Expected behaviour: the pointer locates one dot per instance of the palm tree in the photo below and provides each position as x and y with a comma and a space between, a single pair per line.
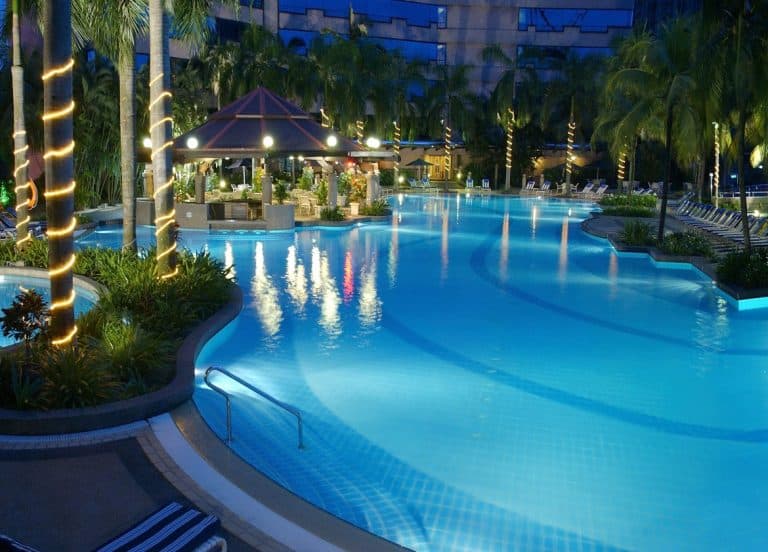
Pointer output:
19, 132
59, 166
741, 76
160, 126
112, 26
662, 85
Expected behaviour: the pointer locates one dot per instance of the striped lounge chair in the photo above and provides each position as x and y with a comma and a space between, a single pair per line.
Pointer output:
173, 528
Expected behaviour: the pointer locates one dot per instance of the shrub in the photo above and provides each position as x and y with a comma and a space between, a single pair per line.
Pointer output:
628, 211
387, 178
636, 233
747, 271
343, 183
19, 388
71, 379
131, 354
335, 214
377, 208
306, 179
619, 200
686, 243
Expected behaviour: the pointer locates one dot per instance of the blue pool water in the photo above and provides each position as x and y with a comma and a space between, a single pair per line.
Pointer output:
11, 286
482, 375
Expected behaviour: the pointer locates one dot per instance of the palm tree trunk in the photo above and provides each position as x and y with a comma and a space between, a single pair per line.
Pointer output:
667, 176
740, 146
127, 79
19, 134
160, 84
59, 166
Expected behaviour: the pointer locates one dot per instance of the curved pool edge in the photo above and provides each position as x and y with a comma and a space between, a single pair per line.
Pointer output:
289, 510
181, 388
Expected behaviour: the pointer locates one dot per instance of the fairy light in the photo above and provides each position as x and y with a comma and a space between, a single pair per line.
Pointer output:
359, 130
165, 217
325, 120
61, 192
510, 133
56, 305
66, 339
59, 232
396, 147
59, 113
447, 155
569, 148
716, 180
622, 166
59, 71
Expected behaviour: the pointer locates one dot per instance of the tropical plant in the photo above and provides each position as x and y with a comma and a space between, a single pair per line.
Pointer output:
25, 319
746, 269
281, 192
376, 208
636, 232
334, 214
72, 378
112, 26
660, 83
686, 243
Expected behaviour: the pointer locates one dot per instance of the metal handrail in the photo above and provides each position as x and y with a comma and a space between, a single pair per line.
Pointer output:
287, 407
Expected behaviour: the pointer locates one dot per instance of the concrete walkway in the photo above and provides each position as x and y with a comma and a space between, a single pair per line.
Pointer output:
61, 496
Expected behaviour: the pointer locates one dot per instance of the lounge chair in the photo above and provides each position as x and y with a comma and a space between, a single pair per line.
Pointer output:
587, 190
486, 184
171, 528
600, 191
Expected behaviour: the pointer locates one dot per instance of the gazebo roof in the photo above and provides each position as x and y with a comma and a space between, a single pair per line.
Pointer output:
238, 129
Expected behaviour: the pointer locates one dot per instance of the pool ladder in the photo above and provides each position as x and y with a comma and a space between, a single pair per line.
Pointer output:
227, 397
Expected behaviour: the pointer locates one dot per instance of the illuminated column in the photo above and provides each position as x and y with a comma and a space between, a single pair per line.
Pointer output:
396, 151
510, 131
447, 152
20, 147
359, 129
160, 131
569, 152
717, 163
59, 166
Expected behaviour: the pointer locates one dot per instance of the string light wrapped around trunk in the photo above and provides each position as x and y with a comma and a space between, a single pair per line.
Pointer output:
622, 167
447, 152
510, 133
23, 187
569, 149
396, 150
717, 163
59, 169
359, 130
161, 131
325, 120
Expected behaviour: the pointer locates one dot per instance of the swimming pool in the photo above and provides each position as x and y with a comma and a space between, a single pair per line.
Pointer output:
482, 375
11, 286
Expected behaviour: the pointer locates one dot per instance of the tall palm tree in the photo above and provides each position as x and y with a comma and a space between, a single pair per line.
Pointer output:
661, 85
112, 27
19, 131
59, 166
741, 76
160, 126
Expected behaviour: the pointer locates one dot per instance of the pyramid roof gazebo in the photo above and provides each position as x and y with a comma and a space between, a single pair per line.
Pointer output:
238, 130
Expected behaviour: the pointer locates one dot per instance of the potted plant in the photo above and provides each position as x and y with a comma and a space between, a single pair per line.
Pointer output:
280, 216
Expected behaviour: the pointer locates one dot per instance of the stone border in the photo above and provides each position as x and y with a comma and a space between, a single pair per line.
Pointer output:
73, 420
341, 223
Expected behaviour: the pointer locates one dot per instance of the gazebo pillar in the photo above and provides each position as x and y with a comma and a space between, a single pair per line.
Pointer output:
372, 187
266, 190
333, 189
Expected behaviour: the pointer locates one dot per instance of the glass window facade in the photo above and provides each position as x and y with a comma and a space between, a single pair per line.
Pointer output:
552, 57
252, 3
415, 13
586, 20
229, 30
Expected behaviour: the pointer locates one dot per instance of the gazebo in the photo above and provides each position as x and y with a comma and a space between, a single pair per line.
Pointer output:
258, 125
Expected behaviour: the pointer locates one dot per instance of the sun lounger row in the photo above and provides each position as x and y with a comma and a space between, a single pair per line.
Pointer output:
723, 222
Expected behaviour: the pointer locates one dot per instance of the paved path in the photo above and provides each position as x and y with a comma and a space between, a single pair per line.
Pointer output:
75, 498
